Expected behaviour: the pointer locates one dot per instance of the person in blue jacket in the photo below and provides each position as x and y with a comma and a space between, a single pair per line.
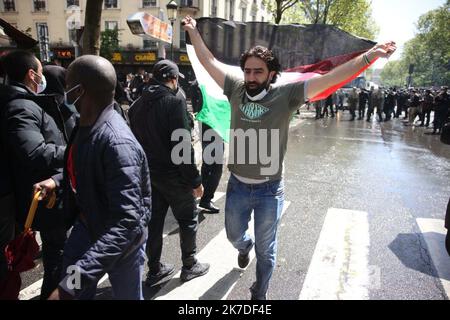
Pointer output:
107, 178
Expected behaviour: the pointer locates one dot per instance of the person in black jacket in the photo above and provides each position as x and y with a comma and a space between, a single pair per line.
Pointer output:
211, 171
34, 146
106, 172
155, 118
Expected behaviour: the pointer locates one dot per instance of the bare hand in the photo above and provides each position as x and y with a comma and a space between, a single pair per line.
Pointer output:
198, 192
47, 187
189, 23
383, 50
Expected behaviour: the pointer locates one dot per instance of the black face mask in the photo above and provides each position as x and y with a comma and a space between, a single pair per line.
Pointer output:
255, 91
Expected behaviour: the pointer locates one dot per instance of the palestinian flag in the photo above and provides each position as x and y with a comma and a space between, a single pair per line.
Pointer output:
304, 51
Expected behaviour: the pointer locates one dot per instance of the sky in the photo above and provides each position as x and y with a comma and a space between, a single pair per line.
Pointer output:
396, 20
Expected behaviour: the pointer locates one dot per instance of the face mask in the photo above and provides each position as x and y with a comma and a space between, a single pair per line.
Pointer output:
261, 94
42, 85
71, 106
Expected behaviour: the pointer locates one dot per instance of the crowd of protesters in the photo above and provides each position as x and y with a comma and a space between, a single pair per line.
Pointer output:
416, 105
64, 132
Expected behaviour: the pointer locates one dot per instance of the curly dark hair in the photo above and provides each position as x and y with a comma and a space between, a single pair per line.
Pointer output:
264, 54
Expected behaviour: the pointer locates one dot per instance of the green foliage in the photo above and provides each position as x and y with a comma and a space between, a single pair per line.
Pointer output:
353, 16
429, 51
109, 42
394, 74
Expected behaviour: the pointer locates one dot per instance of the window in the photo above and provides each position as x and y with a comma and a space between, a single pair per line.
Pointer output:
39, 5
150, 44
42, 30
213, 8
231, 10
148, 3
9, 6
73, 3
42, 37
243, 14
111, 4
111, 25
186, 3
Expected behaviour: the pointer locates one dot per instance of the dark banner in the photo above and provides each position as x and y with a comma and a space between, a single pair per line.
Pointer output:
294, 45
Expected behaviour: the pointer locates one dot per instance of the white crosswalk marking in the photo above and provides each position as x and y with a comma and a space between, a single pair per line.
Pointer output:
31, 291
219, 281
434, 232
339, 267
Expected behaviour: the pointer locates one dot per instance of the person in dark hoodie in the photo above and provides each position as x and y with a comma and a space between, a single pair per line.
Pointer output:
106, 171
154, 118
66, 116
34, 149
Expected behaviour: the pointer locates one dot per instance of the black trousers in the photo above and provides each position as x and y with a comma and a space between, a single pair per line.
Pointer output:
53, 240
170, 190
211, 173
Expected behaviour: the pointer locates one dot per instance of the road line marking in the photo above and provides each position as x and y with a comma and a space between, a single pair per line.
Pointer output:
31, 291
221, 278
339, 267
434, 232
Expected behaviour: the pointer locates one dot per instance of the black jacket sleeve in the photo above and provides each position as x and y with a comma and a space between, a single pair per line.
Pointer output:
24, 121
181, 141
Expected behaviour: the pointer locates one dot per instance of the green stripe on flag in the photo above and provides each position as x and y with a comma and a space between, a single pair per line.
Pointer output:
216, 113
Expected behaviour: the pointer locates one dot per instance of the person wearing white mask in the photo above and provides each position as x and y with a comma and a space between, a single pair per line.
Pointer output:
34, 149
261, 111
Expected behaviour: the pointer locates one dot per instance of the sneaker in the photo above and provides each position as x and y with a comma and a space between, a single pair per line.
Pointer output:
197, 270
165, 271
243, 260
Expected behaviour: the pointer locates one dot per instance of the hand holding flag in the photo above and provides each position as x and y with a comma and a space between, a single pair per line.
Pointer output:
383, 50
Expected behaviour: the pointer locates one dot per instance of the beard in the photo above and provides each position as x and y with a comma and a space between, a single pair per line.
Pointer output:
254, 88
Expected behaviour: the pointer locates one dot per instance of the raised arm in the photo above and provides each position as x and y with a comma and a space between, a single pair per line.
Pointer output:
321, 83
206, 58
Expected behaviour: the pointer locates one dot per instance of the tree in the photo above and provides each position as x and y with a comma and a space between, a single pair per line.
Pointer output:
279, 7
394, 74
353, 16
429, 50
91, 34
109, 43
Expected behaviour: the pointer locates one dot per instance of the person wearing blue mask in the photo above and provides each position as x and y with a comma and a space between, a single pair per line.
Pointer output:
34, 149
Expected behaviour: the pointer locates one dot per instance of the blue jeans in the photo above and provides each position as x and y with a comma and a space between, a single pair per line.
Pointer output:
266, 200
125, 276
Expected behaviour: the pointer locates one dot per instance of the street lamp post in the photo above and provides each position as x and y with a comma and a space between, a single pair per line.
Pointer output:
172, 9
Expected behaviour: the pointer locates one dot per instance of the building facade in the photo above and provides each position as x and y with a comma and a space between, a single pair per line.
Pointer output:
59, 23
